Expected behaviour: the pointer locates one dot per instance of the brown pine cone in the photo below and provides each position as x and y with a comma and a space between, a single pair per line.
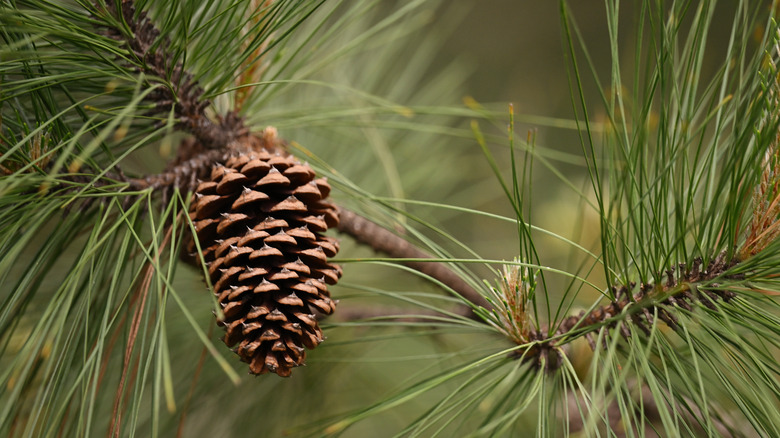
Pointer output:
259, 221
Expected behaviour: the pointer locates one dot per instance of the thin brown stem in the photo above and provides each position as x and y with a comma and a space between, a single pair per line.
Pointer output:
114, 428
384, 241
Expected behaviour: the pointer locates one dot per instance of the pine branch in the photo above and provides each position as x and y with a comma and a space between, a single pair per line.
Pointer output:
628, 309
382, 240
182, 94
216, 141
194, 163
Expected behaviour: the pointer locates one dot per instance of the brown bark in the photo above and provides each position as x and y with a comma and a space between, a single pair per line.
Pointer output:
384, 241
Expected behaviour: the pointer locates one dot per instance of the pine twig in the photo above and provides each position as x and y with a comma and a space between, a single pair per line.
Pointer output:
214, 140
677, 291
382, 240
183, 94
186, 172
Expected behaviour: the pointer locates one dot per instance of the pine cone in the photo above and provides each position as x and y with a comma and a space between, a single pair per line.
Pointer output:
259, 221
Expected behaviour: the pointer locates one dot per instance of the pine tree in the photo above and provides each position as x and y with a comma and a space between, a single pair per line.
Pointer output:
269, 174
